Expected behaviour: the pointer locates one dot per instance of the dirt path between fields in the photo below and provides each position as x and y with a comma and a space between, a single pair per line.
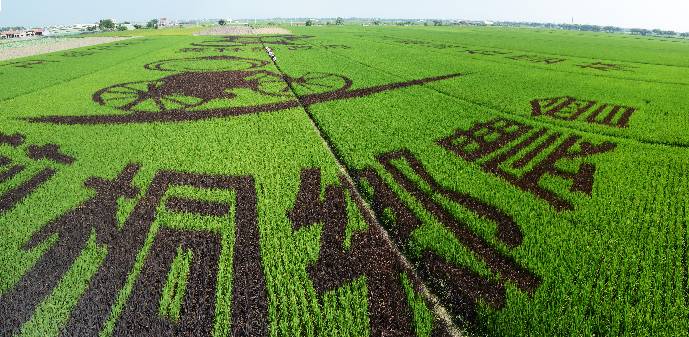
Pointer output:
43, 46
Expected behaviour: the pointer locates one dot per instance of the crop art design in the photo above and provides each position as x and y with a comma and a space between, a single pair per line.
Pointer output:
141, 315
117, 45
40, 156
219, 49
524, 155
208, 63
78, 53
486, 52
240, 41
459, 288
537, 59
208, 87
148, 307
369, 255
322, 46
28, 64
601, 66
414, 42
569, 108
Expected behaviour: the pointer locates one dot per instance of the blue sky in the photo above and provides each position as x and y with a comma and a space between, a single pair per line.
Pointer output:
664, 14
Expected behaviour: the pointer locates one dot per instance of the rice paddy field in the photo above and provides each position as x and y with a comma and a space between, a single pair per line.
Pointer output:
347, 181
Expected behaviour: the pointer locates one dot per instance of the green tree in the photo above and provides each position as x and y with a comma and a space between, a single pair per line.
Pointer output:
339, 21
309, 23
121, 28
222, 22
639, 31
610, 29
152, 24
106, 24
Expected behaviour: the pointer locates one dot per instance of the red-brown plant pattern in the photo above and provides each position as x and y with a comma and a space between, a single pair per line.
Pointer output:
537, 59
503, 146
99, 215
78, 53
486, 52
458, 287
569, 108
201, 64
183, 96
28, 64
602, 66
369, 255
243, 40
413, 42
40, 155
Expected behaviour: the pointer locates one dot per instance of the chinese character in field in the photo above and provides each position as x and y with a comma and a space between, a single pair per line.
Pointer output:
537, 59
460, 288
569, 108
604, 66
335, 46
27, 64
197, 251
38, 158
369, 255
485, 52
524, 155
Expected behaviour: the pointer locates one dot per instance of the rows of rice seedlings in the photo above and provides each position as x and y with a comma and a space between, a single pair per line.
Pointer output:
515, 215
612, 260
219, 226
19, 76
511, 87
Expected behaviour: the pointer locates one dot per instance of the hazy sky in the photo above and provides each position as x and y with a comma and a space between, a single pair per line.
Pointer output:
664, 14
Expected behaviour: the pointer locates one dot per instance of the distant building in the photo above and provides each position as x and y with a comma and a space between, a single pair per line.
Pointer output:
13, 34
165, 22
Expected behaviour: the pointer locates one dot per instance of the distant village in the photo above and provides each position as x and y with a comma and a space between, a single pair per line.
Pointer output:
111, 24
18, 34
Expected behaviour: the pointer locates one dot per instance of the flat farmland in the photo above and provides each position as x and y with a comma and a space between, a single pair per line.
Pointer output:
347, 181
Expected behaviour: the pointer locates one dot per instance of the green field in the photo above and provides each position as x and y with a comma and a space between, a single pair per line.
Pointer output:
382, 181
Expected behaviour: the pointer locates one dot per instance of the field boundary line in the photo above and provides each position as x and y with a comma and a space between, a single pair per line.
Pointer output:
438, 309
